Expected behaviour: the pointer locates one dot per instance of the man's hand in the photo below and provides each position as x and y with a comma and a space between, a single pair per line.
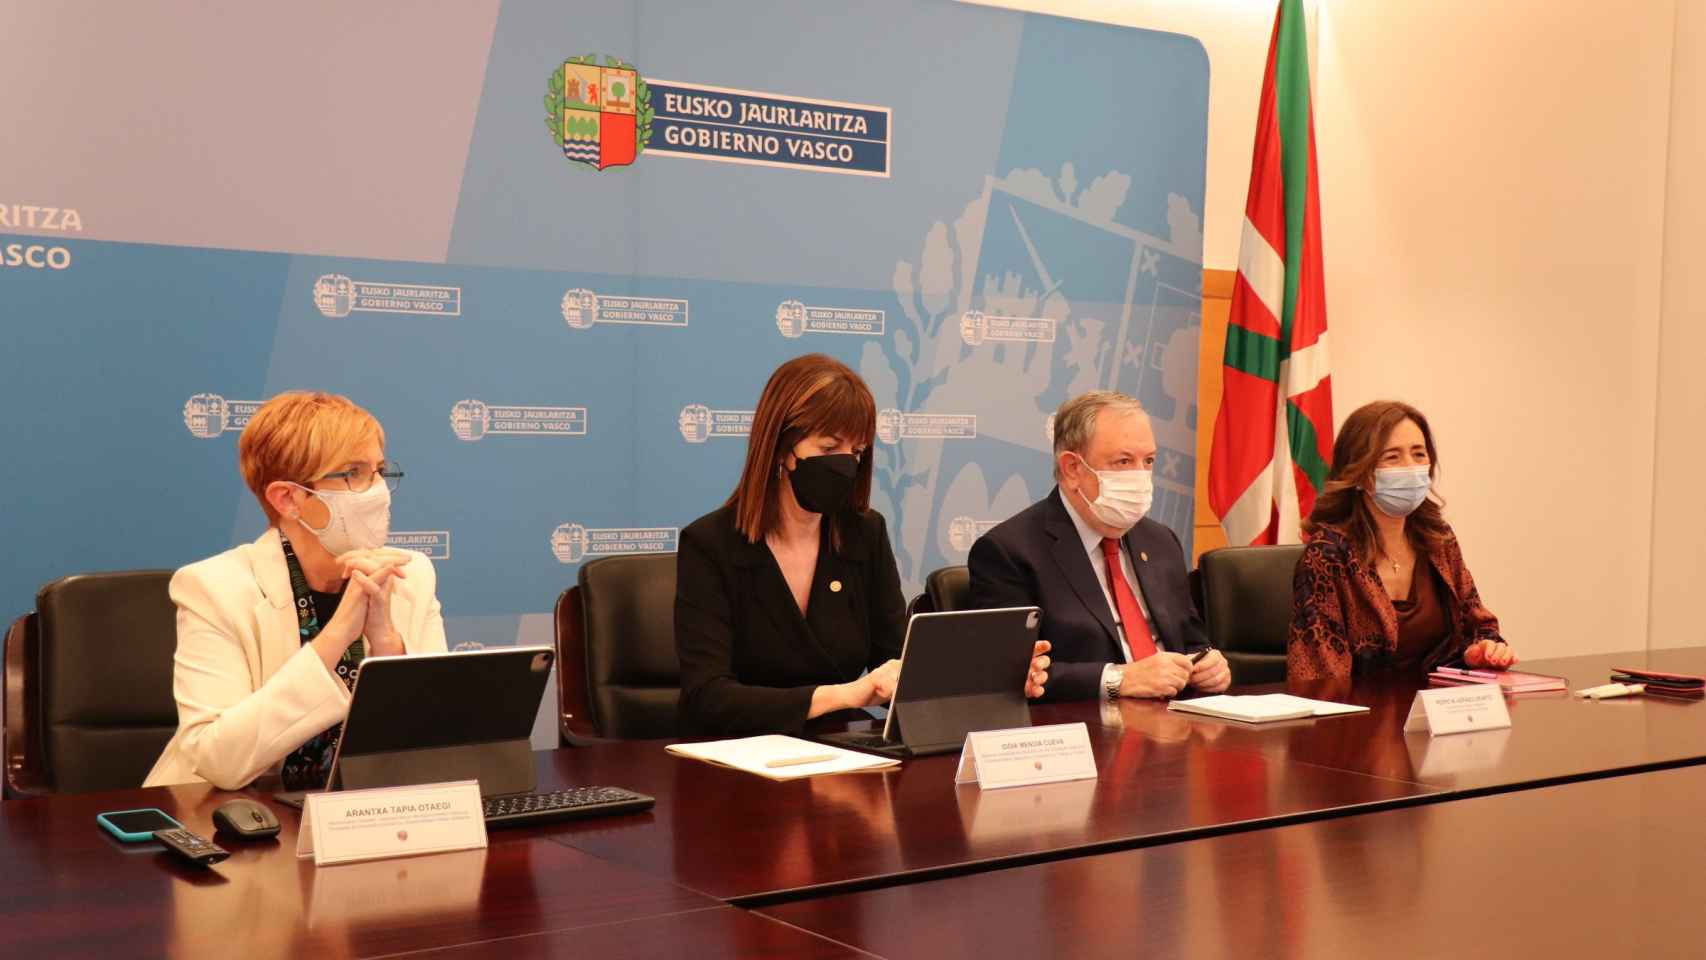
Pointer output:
1211, 674
1162, 675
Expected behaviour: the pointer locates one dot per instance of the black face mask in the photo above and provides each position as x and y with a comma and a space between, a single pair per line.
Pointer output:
823, 484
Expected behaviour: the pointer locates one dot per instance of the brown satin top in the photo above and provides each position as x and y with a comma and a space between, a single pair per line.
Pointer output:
1422, 624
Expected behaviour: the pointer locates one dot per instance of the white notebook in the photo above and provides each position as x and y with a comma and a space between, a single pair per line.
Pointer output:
780, 758
1263, 707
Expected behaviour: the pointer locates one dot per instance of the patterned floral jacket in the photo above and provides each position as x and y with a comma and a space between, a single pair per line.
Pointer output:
1343, 623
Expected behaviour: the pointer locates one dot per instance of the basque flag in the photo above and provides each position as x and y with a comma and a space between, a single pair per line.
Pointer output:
1273, 436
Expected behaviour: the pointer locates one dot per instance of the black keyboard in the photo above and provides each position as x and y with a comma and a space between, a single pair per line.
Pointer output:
862, 740
518, 809
875, 741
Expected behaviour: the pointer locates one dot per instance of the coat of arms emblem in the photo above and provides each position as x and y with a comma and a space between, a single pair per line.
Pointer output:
601, 114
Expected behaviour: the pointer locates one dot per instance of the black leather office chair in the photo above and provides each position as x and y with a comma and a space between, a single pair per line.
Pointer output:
628, 678
946, 589
89, 684
949, 589
1247, 607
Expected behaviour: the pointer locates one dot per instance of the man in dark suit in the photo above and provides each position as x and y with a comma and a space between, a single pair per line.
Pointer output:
1110, 581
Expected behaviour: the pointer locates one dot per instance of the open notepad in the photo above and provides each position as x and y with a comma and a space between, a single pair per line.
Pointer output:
780, 758
1263, 707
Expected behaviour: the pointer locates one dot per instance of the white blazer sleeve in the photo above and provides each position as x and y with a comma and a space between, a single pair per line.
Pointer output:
424, 630
230, 730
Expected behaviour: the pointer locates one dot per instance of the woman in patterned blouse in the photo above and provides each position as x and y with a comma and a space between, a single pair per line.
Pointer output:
1382, 585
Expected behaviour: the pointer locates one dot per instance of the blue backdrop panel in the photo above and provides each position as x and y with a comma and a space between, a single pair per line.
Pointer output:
1014, 219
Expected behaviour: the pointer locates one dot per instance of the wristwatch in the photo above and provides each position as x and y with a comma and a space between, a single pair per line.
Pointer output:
1113, 675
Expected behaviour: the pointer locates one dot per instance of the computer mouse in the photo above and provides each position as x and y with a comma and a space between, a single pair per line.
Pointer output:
245, 819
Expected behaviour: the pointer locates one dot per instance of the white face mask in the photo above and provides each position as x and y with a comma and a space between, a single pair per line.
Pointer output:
1124, 498
358, 521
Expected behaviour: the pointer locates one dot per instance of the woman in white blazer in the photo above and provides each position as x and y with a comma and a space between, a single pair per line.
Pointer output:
271, 633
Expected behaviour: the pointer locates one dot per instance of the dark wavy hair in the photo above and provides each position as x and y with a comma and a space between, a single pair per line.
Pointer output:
1356, 453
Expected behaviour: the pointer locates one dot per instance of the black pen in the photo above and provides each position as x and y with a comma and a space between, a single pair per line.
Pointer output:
1200, 654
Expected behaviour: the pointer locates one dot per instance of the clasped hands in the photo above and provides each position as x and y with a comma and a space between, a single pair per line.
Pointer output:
1165, 674
365, 610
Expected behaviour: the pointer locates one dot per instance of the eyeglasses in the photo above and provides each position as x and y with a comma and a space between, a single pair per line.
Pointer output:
360, 476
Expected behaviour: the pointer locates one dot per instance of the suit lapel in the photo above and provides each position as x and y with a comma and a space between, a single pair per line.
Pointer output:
1146, 586
831, 568
280, 637
1074, 564
771, 587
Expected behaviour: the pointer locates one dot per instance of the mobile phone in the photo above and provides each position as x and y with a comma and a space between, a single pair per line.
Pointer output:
136, 826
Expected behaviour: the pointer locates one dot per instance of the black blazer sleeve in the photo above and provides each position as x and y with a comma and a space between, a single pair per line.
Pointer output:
998, 580
1073, 681
1192, 634
713, 701
888, 603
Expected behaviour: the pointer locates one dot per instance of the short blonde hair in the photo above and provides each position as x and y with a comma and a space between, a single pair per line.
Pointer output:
1075, 421
299, 437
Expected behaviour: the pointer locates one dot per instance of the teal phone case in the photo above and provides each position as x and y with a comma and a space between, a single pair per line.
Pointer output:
135, 836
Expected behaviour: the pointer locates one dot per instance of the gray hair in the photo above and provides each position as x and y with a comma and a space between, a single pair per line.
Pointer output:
1075, 421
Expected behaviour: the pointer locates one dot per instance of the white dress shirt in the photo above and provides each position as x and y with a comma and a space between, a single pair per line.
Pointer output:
1098, 562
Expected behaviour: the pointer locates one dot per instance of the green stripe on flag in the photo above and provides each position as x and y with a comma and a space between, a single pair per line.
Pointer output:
1256, 354
1291, 99
1305, 445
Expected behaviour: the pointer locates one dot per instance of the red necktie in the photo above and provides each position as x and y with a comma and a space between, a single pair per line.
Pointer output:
1137, 635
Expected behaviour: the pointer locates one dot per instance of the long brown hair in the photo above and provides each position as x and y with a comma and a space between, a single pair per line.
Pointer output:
807, 395
1356, 454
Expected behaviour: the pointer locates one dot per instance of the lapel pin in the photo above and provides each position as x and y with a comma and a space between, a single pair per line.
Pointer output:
835, 586
1143, 556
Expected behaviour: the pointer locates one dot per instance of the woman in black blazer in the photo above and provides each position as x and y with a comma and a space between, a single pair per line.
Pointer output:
787, 600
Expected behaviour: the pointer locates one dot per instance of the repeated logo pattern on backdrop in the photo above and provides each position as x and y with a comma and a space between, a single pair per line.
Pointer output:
982, 212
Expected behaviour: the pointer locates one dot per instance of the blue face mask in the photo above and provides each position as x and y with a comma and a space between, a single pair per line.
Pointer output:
1398, 491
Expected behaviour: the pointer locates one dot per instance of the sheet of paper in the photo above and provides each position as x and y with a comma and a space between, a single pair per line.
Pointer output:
1250, 708
780, 757
1320, 708
1262, 707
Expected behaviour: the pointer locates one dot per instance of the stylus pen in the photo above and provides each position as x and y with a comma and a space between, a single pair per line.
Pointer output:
797, 761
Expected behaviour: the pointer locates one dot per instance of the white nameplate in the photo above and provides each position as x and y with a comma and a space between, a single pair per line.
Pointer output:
350, 825
1459, 710
1027, 755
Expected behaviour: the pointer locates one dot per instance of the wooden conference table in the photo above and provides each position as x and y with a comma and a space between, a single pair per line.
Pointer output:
1180, 802
1609, 867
